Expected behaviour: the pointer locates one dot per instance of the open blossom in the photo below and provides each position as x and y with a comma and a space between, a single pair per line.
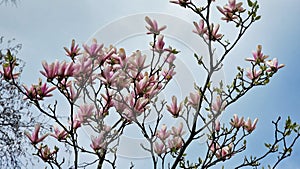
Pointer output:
59, 134
163, 134
108, 76
85, 112
214, 33
159, 148
174, 109
200, 28
153, 27
34, 137
168, 74
94, 49
137, 62
74, 50
39, 91
45, 153
50, 71
66, 69
218, 105
99, 141
252, 75
175, 143
182, 3
249, 126
178, 132
220, 153
194, 100
273, 64
236, 121
258, 56
230, 9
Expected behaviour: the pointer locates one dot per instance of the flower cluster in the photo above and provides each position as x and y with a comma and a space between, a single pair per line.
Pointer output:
237, 122
267, 68
169, 139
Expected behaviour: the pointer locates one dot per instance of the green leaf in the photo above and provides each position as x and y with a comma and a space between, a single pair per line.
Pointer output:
258, 18
250, 4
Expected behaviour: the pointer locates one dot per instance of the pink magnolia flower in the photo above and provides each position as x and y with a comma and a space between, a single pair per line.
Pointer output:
236, 122
218, 105
153, 27
200, 28
225, 152
252, 75
39, 91
163, 134
178, 132
34, 137
174, 109
50, 71
76, 122
258, 56
182, 3
159, 45
140, 105
168, 74
94, 49
66, 70
8, 74
175, 143
159, 148
99, 142
170, 58
85, 112
108, 76
74, 50
249, 126
234, 7
194, 100
59, 134
214, 33
230, 9
273, 65
45, 153
137, 62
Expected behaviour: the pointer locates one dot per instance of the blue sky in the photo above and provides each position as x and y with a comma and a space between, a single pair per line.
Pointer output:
44, 27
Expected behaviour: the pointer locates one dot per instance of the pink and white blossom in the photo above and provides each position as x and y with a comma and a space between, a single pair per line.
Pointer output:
34, 137
153, 26
174, 108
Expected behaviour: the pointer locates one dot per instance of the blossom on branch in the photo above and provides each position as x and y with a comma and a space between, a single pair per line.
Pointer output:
200, 28
153, 27
253, 74
34, 137
74, 50
230, 9
249, 126
219, 105
258, 56
236, 122
273, 65
213, 34
174, 109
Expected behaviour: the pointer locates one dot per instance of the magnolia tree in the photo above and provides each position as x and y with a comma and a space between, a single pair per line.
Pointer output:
106, 90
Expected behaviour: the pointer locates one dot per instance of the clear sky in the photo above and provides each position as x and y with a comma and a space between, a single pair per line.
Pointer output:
44, 27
